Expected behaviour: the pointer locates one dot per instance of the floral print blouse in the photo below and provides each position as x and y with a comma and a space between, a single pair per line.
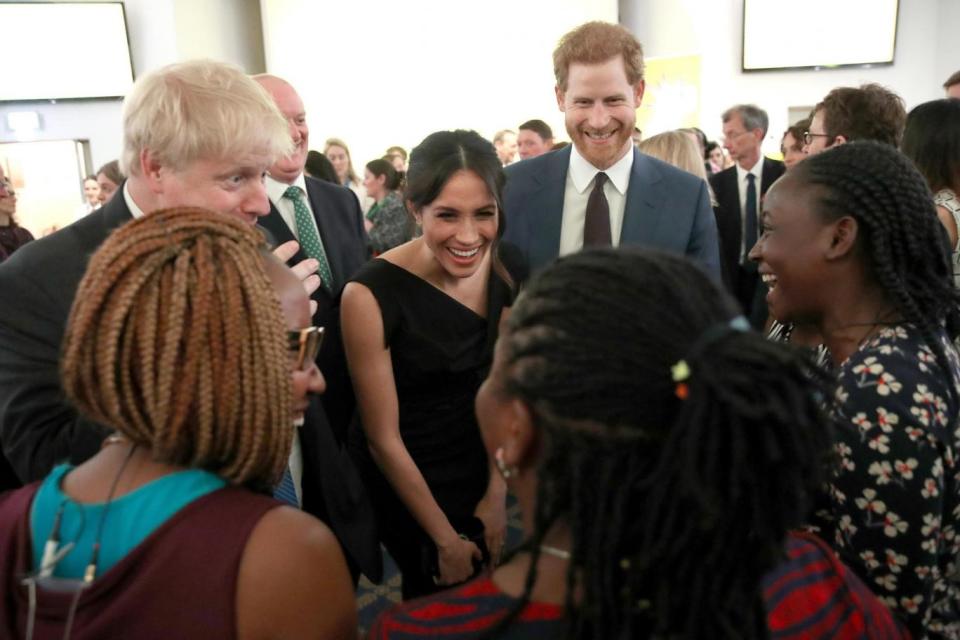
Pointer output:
392, 225
894, 503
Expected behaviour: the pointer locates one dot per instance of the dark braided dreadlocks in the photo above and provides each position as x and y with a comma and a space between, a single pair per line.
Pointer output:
904, 244
676, 507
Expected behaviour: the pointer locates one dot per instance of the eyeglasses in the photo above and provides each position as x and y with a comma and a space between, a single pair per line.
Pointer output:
733, 136
808, 137
306, 344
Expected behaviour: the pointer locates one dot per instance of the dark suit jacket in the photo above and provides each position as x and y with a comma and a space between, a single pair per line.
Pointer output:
38, 428
666, 208
334, 492
340, 222
740, 281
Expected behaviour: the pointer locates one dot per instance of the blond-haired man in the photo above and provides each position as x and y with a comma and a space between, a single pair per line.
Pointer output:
196, 133
600, 191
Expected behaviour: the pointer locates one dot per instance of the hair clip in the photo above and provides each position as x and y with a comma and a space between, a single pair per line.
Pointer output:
680, 372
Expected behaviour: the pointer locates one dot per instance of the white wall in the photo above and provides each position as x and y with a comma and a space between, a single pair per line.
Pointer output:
160, 32
927, 51
948, 40
378, 73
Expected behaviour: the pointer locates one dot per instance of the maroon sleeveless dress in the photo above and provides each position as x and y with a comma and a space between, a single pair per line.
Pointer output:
180, 582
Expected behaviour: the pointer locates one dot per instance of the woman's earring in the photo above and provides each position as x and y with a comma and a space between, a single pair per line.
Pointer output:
505, 471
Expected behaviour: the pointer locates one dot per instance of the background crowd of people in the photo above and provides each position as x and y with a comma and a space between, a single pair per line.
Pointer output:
723, 389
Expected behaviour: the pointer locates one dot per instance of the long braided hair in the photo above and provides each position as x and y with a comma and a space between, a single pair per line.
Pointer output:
678, 500
905, 246
177, 340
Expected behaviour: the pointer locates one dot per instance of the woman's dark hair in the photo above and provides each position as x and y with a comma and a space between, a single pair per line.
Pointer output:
932, 140
711, 145
903, 242
383, 167
319, 166
442, 154
112, 171
796, 131
678, 494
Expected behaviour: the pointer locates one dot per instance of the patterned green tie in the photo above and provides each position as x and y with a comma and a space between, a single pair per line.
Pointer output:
309, 239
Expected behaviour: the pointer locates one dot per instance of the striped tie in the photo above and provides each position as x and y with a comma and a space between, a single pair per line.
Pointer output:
286, 491
308, 236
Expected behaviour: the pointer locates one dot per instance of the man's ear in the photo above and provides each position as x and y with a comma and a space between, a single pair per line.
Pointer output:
151, 170
843, 238
638, 90
560, 93
839, 140
520, 435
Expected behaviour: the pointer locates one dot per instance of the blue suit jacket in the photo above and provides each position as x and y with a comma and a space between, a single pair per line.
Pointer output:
666, 208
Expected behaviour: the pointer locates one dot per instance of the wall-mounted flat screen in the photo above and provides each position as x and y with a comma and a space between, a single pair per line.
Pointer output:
64, 50
833, 33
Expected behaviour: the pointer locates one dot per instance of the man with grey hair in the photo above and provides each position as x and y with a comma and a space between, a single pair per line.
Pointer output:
326, 220
194, 134
738, 191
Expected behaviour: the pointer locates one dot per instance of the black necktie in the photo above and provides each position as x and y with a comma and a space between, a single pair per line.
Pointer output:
750, 232
596, 227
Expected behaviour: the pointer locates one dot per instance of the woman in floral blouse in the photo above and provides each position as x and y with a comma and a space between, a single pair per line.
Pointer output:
851, 243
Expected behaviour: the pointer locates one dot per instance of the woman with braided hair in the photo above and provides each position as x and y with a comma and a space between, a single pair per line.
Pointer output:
193, 343
852, 245
661, 454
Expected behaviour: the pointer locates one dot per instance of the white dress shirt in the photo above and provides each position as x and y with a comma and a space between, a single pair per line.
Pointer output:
135, 211
580, 178
275, 191
742, 174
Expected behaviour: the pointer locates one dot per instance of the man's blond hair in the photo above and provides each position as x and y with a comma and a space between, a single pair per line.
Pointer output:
200, 110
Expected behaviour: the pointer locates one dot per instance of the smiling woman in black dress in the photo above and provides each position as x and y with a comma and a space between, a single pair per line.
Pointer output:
419, 325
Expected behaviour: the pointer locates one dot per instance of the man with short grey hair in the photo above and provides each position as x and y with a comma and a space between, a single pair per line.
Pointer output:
738, 191
326, 220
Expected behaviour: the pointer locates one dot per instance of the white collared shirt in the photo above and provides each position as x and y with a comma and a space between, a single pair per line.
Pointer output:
580, 176
135, 211
275, 191
742, 173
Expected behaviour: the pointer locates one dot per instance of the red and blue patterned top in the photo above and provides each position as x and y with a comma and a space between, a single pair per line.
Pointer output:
810, 595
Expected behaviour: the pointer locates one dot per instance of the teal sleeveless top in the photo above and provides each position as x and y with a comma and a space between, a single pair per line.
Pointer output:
129, 521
